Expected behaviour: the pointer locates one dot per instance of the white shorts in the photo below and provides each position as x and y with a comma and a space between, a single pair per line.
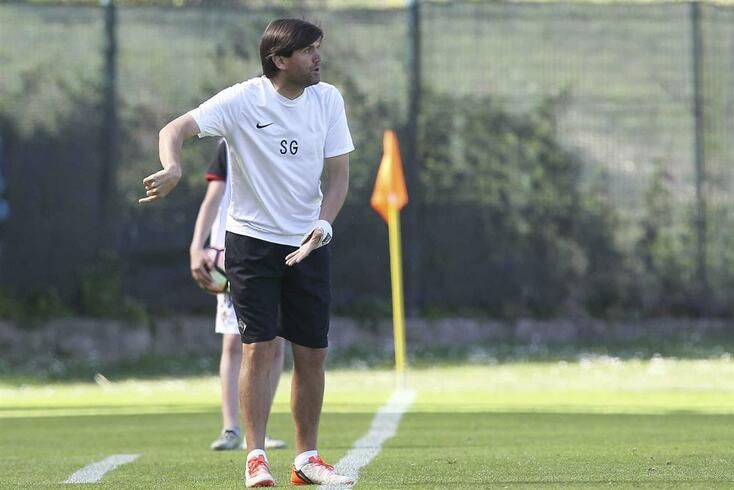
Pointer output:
226, 322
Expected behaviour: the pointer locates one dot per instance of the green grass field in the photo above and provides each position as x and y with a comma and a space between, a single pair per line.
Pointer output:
598, 422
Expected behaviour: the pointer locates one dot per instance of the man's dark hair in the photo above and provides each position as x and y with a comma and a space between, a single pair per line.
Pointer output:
282, 37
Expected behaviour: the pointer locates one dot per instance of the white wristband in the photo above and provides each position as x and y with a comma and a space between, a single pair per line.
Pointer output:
326, 232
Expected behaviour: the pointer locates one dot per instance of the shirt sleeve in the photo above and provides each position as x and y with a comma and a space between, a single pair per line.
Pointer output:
338, 138
215, 116
217, 169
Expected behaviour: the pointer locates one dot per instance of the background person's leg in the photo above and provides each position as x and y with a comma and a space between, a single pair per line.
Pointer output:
230, 360
229, 373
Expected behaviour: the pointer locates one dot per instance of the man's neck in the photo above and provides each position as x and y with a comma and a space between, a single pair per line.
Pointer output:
287, 90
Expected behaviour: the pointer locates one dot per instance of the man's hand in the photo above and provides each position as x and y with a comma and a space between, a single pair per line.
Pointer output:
170, 141
309, 245
159, 184
201, 263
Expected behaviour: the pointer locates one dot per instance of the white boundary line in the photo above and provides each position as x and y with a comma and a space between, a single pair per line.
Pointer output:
94, 472
383, 427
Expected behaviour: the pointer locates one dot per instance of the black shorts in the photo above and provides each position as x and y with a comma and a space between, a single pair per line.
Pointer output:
272, 299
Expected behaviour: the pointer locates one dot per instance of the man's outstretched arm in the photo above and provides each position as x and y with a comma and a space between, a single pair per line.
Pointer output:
170, 142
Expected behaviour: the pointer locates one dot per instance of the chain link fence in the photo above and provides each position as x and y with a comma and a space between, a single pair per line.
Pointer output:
562, 157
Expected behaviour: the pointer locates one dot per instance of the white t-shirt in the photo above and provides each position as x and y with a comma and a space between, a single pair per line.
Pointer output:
277, 148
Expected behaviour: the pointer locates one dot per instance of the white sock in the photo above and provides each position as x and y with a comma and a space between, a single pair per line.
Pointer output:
255, 453
236, 430
302, 458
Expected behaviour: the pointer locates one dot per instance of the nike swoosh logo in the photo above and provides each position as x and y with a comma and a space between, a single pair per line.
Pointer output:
260, 126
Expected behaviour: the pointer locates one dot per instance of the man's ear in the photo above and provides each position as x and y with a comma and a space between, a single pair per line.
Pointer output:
280, 62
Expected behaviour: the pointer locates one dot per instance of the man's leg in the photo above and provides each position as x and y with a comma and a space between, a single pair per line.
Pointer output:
270, 442
277, 366
307, 395
305, 314
255, 292
256, 389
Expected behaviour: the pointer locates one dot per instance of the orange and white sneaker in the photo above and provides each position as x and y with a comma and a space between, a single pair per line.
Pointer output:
316, 472
257, 473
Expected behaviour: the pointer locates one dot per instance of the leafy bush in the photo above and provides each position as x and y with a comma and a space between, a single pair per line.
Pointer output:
507, 227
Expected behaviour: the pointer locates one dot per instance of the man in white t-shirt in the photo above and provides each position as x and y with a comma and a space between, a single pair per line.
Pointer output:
210, 223
284, 130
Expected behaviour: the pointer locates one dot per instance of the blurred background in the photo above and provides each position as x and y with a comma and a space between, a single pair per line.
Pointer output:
568, 163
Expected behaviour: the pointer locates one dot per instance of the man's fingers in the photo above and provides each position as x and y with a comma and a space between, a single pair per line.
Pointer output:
309, 244
303, 252
160, 183
293, 257
202, 278
201, 274
205, 284
152, 194
151, 189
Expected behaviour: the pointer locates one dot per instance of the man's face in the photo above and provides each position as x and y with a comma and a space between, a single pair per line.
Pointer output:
303, 67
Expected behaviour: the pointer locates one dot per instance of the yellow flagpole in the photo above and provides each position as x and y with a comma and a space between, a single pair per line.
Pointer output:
396, 276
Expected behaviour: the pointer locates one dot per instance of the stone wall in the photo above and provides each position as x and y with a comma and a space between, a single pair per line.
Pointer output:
112, 341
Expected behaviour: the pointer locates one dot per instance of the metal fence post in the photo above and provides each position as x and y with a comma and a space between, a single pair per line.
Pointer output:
697, 63
412, 160
108, 137
4, 207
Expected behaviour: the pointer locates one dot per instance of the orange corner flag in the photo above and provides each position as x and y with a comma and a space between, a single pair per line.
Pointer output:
390, 188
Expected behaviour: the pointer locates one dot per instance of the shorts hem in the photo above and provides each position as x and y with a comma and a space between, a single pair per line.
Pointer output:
301, 343
256, 341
